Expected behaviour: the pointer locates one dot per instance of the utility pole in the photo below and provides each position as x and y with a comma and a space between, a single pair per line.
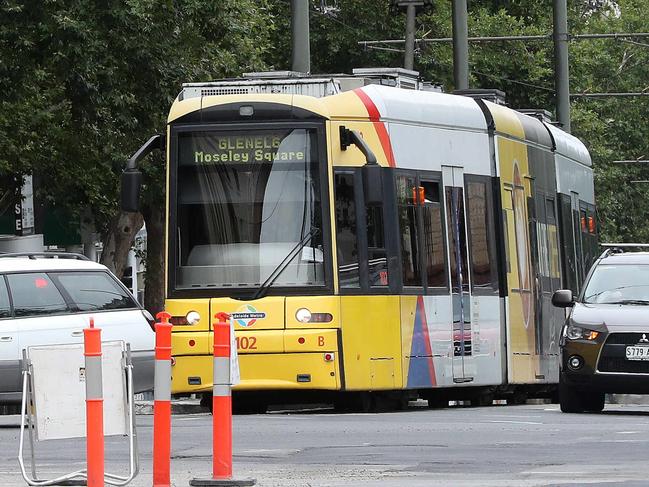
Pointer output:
460, 45
409, 56
561, 76
411, 7
301, 39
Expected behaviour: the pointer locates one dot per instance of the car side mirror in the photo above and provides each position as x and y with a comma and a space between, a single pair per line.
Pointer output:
563, 298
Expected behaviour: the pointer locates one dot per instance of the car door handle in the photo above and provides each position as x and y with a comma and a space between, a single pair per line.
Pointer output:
77, 333
6, 339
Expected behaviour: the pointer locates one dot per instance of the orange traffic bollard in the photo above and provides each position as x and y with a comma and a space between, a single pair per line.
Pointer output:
162, 402
94, 406
222, 401
222, 411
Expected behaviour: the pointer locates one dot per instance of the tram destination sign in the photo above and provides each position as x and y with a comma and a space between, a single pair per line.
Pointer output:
263, 147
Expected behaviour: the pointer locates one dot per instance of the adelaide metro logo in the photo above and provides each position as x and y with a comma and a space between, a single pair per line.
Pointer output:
247, 315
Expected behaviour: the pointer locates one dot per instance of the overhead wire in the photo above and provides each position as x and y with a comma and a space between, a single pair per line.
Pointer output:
509, 80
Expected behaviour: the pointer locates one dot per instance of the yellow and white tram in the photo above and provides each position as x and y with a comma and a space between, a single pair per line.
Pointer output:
375, 242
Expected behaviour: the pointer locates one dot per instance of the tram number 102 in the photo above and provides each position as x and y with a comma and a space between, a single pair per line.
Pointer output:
246, 343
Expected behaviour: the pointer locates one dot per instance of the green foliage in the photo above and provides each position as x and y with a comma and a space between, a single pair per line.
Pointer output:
614, 128
86, 82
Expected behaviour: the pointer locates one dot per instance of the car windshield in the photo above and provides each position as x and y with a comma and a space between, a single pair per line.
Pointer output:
618, 284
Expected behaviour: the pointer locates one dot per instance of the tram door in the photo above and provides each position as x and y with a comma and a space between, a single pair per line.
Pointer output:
459, 273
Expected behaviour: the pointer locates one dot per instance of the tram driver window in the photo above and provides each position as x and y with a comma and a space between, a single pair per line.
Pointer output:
346, 235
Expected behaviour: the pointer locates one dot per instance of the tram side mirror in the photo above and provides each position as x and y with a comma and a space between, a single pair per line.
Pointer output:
563, 298
130, 191
132, 177
372, 184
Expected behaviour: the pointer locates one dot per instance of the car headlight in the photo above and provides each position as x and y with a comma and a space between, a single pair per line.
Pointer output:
574, 332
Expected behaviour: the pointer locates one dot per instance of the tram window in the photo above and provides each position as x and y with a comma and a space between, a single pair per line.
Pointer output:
346, 237
567, 235
433, 236
584, 221
407, 190
477, 202
377, 258
551, 216
549, 211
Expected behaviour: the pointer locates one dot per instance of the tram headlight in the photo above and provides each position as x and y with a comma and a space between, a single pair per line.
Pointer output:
193, 317
303, 315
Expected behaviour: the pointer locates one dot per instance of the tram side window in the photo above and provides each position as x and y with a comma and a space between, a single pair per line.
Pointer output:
552, 237
376, 255
483, 274
568, 263
346, 235
433, 235
588, 235
406, 194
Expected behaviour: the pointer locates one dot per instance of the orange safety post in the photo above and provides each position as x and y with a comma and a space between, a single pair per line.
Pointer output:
162, 402
222, 411
94, 406
222, 400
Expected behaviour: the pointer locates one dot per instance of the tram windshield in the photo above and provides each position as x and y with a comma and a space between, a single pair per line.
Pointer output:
245, 201
618, 284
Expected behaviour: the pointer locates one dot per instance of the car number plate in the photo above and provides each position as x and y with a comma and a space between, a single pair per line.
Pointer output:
637, 353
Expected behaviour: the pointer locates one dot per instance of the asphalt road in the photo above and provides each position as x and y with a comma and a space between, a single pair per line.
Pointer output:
532, 445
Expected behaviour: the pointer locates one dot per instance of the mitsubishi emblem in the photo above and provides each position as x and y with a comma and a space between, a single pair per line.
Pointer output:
644, 339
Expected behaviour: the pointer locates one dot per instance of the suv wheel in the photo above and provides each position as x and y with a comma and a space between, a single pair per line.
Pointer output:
593, 402
569, 399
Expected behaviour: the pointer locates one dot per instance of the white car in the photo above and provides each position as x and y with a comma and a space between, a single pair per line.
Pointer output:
48, 298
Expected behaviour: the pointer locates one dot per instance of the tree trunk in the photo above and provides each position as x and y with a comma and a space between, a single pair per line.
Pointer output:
154, 280
119, 241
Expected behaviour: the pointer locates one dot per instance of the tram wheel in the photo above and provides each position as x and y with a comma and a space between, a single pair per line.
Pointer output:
249, 406
484, 399
206, 401
437, 402
518, 398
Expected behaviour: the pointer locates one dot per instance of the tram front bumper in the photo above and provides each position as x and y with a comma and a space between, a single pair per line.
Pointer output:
264, 371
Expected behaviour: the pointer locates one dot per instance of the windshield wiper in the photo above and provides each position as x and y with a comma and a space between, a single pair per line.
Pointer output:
641, 302
272, 277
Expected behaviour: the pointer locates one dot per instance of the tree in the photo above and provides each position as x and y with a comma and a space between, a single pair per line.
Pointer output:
614, 128
85, 83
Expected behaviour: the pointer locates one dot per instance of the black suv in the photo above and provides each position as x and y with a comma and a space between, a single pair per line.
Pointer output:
605, 340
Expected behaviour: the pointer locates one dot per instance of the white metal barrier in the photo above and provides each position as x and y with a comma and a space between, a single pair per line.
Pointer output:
54, 406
